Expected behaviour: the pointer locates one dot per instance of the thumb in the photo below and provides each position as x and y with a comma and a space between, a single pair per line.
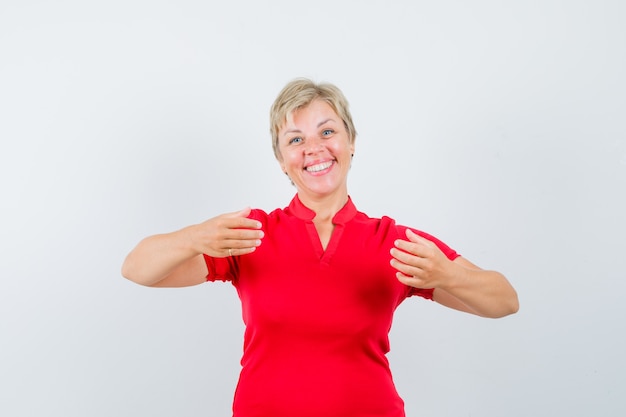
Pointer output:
414, 237
241, 213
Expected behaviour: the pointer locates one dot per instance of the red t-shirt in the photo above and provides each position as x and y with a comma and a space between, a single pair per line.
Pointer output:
317, 322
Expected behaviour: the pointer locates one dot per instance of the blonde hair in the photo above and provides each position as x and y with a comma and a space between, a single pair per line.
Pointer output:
298, 94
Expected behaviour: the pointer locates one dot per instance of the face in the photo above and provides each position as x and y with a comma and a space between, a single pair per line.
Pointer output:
315, 151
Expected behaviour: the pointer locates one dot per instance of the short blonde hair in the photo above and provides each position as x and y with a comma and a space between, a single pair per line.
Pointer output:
300, 93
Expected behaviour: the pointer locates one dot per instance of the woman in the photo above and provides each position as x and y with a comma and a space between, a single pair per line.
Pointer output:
319, 281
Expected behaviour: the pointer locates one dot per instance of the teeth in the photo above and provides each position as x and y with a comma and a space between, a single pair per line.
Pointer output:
319, 167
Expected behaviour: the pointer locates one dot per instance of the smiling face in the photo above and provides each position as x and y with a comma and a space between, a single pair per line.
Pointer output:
315, 151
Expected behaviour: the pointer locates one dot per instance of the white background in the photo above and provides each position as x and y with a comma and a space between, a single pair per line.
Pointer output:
497, 126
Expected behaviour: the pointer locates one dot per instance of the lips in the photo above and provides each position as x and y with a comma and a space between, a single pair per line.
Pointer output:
319, 167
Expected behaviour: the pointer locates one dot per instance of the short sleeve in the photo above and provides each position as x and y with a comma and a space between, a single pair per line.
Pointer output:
426, 293
220, 269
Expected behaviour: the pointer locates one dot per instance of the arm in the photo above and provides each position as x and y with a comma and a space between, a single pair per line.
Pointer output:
176, 259
457, 284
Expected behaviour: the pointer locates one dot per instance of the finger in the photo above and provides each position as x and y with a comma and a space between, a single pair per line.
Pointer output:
406, 269
243, 234
241, 244
239, 251
239, 213
411, 280
417, 249
244, 240
415, 238
239, 219
406, 257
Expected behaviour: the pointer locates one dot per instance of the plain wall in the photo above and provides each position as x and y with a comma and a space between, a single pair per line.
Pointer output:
497, 126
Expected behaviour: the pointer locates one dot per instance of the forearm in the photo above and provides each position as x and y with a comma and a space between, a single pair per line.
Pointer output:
155, 257
485, 293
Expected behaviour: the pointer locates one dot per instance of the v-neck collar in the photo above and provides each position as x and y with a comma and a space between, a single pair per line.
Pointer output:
343, 216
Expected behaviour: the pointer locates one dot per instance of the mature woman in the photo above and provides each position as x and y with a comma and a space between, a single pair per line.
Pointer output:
319, 281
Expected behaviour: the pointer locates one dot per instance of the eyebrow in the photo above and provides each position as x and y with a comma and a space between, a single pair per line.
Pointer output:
325, 121
318, 125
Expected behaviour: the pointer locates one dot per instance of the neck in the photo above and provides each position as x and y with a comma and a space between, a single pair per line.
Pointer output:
325, 207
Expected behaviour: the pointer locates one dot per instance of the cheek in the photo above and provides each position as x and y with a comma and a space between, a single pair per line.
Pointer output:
344, 149
290, 160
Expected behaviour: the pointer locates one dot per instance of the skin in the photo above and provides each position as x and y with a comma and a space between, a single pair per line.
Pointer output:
315, 138
175, 259
315, 151
458, 284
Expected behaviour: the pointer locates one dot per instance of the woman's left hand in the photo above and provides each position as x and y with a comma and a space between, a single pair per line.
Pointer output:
420, 263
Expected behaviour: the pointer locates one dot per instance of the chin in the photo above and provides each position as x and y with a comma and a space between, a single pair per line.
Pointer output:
320, 190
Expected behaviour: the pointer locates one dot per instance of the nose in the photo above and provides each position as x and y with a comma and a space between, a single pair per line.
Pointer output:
313, 146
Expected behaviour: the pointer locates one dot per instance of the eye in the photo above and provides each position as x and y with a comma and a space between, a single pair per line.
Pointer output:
295, 140
327, 132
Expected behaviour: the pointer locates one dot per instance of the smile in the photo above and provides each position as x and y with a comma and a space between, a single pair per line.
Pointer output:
319, 167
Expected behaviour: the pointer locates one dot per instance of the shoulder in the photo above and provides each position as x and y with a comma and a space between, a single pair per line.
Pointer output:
265, 218
447, 250
257, 214
379, 222
392, 230
385, 227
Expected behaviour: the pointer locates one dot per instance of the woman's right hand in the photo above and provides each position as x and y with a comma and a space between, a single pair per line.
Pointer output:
229, 234
176, 259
